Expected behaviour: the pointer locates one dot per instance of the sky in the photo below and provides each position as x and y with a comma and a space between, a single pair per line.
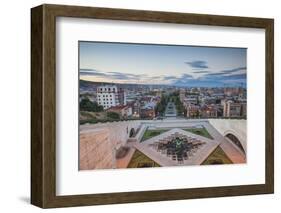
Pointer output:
162, 64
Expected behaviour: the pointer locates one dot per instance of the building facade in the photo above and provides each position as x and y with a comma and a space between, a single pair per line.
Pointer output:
110, 96
123, 111
234, 110
209, 111
147, 113
192, 111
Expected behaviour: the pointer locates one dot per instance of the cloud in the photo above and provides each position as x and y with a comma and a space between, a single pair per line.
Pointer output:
220, 76
118, 75
123, 76
210, 78
214, 74
171, 77
186, 76
91, 72
226, 73
213, 79
87, 70
201, 72
198, 64
154, 77
234, 70
236, 76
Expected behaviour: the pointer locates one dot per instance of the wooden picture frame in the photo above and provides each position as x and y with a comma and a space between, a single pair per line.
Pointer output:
43, 105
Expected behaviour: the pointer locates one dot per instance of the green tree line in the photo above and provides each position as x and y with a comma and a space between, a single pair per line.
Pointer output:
87, 105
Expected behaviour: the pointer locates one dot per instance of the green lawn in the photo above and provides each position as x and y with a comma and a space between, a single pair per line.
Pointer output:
218, 156
199, 131
140, 160
152, 133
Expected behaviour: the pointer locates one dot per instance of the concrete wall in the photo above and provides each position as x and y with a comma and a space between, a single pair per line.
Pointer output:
233, 126
94, 150
98, 143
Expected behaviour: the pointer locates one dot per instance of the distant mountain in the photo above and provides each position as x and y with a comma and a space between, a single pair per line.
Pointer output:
198, 84
91, 86
87, 86
206, 83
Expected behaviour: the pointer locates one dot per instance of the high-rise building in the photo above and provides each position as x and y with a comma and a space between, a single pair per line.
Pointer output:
110, 95
233, 110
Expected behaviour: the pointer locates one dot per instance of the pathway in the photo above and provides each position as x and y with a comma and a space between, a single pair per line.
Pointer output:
171, 110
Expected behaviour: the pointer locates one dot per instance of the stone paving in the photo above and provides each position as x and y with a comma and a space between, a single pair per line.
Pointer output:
163, 160
170, 110
200, 155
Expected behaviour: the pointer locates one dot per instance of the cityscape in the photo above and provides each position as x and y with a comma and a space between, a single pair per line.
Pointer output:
152, 118
126, 102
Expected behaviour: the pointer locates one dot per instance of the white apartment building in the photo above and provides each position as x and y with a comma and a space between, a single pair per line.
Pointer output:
110, 96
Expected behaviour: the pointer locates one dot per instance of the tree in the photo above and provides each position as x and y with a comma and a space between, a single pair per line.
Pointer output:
197, 114
161, 106
87, 105
113, 115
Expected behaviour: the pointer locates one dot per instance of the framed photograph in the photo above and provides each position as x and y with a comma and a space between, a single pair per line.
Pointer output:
136, 106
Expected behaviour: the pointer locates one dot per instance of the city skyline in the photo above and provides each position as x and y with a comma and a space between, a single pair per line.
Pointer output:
193, 66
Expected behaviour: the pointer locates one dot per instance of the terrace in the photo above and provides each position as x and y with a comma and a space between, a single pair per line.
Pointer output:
175, 146
168, 142
178, 147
